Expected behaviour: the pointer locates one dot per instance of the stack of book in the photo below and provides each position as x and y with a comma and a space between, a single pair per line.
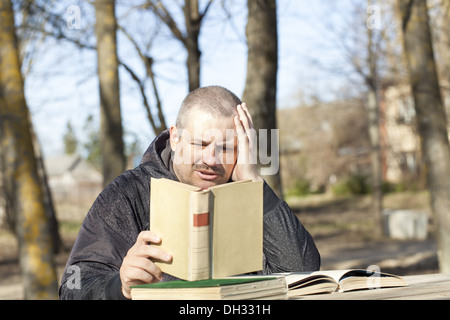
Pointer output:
273, 287
239, 288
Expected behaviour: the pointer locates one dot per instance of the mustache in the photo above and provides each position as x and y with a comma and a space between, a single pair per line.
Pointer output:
215, 169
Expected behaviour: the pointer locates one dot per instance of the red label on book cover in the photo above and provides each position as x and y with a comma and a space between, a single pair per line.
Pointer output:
201, 219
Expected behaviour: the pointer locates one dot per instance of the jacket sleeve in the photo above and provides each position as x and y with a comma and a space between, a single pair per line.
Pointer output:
107, 233
288, 246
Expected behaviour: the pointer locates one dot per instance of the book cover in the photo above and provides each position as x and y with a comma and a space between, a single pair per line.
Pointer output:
238, 288
211, 233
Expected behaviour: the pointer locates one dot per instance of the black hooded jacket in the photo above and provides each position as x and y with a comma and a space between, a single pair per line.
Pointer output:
121, 212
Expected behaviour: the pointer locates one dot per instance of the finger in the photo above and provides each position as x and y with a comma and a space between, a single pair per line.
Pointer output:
247, 112
243, 143
148, 237
152, 252
243, 117
242, 136
134, 275
142, 269
146, 275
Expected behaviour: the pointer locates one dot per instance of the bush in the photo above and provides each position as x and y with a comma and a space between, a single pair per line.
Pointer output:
355, 184
301, 188
402, 186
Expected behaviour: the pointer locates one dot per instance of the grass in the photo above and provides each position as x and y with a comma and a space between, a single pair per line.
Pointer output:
398, 200
350, 218
69, 226
408, 200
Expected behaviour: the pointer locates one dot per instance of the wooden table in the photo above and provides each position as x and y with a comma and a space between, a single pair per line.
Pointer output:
420, 287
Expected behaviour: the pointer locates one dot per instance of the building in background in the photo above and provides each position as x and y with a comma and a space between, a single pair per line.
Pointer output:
74, 183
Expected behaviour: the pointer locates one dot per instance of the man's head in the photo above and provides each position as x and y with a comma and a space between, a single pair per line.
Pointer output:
204, 139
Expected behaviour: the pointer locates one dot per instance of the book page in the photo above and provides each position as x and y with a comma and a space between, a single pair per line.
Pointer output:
303, 278
337, 275
334, 275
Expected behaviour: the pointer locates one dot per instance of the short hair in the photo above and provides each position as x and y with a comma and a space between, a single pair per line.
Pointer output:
216, 100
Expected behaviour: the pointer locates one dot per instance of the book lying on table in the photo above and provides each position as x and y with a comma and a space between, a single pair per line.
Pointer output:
240, 288
210, 233
339, 281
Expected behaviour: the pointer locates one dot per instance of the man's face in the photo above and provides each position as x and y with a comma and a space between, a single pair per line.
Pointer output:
205, 152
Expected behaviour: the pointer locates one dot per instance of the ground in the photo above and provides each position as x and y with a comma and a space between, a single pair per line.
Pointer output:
343, 230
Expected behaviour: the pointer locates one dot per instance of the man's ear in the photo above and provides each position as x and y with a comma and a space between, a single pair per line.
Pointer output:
174, 137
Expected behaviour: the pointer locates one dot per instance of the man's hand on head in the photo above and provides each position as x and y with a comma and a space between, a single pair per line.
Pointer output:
245, 168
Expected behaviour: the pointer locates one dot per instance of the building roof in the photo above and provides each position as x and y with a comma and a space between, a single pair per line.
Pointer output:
74, 165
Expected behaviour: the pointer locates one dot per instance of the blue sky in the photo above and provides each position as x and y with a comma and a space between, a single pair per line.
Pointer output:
63, 84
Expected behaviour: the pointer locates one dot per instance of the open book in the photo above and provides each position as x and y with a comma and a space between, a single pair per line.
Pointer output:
339, 281
246, 288
210, 233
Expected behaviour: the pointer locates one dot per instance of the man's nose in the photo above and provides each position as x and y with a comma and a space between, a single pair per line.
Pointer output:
209, 155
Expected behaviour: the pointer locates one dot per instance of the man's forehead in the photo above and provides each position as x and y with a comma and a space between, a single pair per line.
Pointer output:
215, 134
197, 114
210, 134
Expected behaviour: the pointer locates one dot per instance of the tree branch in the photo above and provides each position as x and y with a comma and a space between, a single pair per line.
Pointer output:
148, 62
205, 11
160, 10
144, 96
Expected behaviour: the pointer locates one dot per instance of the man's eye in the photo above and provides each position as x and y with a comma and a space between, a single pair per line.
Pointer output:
228, 149
197, 145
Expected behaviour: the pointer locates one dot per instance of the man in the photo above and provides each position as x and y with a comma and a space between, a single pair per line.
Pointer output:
114, 249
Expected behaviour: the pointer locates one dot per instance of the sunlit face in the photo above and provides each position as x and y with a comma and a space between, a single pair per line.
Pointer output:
205, 150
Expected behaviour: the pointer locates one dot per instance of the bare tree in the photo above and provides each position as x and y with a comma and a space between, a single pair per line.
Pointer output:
193, 17
22, 185
262, 67
111, 132
431, 117
364, 43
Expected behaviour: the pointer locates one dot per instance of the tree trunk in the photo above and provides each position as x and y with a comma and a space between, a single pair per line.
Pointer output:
374, 133
193, 22
261, 83
112, 146
431, 117
374, 130
22, 184
48, 199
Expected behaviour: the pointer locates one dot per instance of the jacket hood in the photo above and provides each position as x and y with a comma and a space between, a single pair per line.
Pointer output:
158, 157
